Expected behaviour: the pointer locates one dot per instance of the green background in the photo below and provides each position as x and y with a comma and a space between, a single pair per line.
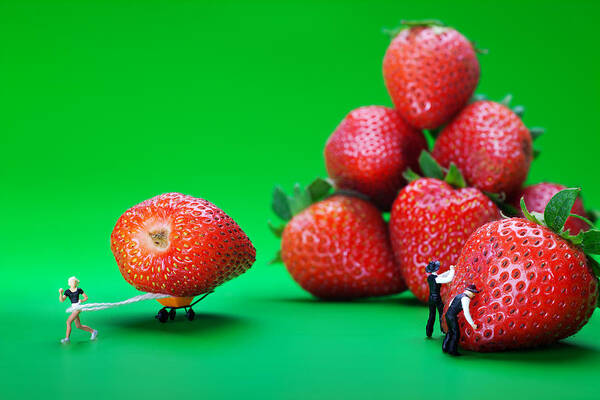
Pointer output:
105, 104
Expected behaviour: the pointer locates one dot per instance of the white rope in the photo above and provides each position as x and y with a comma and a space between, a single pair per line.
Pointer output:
103, 306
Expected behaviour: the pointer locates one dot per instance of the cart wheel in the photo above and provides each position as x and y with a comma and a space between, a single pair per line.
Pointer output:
190, 314
172, 314
162, 315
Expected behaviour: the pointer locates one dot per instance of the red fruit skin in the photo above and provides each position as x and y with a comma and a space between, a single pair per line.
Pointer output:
430, 74
538, 195
536, 288
370, 149
489, 144
204, 246
430, 221
339, 249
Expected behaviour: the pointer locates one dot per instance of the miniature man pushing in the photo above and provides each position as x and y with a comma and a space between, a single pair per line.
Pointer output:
435, 282
460, 303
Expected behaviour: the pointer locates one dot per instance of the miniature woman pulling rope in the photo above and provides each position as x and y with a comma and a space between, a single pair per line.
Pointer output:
73, 293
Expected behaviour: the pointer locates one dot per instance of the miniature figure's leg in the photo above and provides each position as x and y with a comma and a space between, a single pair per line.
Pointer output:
82, 327
454, 337
431, 319
440, 309
69, 321
445, 342
448, 336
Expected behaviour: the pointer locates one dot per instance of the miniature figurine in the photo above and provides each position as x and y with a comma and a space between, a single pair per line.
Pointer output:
435, 282
459, 303
73, 294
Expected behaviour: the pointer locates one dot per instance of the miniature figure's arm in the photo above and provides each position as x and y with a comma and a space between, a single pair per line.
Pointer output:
446, 277
466, 301
61, 296
84, 297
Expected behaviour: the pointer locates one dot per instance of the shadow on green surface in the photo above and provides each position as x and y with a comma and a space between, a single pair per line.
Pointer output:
203, 322
395, 301
557, 352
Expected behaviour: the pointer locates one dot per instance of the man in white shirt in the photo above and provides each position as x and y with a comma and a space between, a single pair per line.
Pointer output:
459, 304
435, 282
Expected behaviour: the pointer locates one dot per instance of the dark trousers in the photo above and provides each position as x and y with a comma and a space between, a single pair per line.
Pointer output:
450, 344
435, 302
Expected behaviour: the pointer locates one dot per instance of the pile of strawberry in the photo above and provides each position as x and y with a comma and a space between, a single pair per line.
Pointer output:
453, 205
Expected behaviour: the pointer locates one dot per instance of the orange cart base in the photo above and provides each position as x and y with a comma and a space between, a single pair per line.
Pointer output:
172, 304
176, 301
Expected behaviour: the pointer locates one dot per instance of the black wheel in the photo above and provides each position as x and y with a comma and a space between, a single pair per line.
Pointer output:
190, 314
162, 315
172, 314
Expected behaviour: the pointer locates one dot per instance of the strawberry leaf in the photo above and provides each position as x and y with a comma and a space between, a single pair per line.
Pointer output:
277, 230
423, 22
300, 200
531, 216
318, 189
431, 135
454, 177
430, 166
577, 239
277, 259
410, 175
477, 49
519, 110
285, 207
591, 241
559, 207
280, 204
536, 132
478, 97
536, 152
506, 100
392, 33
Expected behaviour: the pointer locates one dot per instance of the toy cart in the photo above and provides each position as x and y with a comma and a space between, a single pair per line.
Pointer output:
172, 304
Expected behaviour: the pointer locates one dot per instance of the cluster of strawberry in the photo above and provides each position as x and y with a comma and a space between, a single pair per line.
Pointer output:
458, 204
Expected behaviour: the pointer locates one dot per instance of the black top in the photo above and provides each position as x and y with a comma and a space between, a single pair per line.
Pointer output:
434, 287
456, 306
74, 296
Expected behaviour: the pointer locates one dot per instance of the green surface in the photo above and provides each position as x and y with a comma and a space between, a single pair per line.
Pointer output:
105, 104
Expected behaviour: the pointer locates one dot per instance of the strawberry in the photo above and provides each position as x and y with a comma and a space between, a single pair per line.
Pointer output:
538, 195
537, 284
368, 151
430, 71
490, 144
431, 220
337, 248
179, 245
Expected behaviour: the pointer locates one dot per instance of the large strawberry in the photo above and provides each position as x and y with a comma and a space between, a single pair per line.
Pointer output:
537, 196
490, 144
430, 71
336, 248
370, 149
431, 219
537, 284
179, 245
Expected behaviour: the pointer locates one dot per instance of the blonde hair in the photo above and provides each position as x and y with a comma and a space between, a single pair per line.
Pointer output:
71, 279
